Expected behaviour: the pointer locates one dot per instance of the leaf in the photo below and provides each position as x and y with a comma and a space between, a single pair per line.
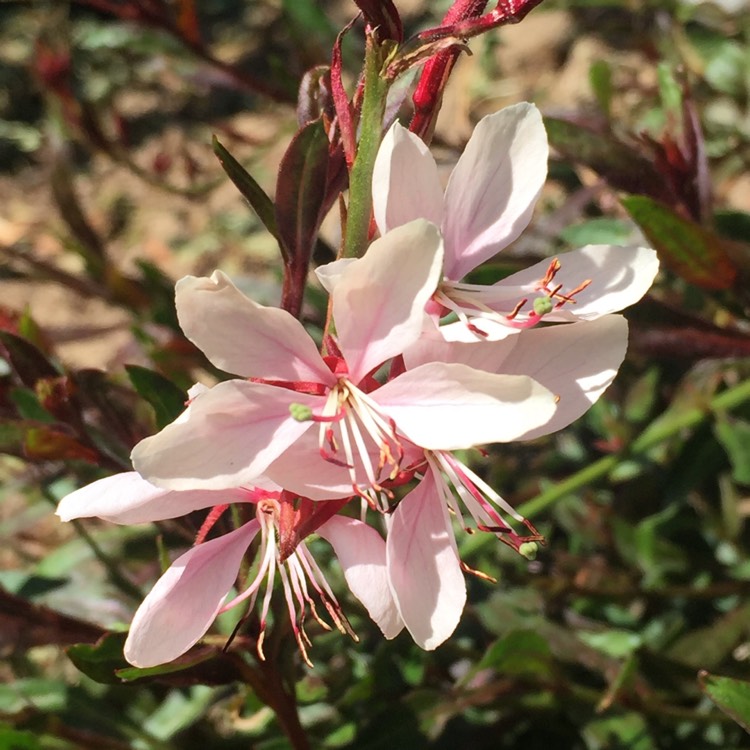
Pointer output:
45, 443
167, 399
520, 652
686, 248
602, 230
382, 14
621, 165
17, 740
301, 192
99, 661
600, 79
731, 696
734, 435
250, 189
27, 361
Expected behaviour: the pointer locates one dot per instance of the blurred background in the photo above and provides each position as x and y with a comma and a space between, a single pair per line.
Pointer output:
110, 190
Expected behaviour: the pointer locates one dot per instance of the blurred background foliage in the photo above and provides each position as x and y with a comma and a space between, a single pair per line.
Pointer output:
631, 629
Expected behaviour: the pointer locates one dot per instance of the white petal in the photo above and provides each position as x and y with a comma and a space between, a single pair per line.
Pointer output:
423, 566
128, 498
225, 438
476, 353
619, 277
186, 599
361, 553
443, 406
330, 273
576, 362
491, 194
378, 302
405, 181
243, 337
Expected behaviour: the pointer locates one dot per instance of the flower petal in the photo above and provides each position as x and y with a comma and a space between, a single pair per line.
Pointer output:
185, 601
619, 277
423, 566
225, 438
243, 337
378, 302
329, 274
361, 553
576, 362
443, 406
491, 194
405, 181
128, 498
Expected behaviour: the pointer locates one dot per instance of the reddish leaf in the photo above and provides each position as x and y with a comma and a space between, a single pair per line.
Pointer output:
187, 21
44, 443
382, 15
344, 113
27, 361
619, 164
692, 252
301, 192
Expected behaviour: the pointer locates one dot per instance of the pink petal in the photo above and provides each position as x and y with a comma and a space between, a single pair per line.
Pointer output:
491, 194
329, 274
443, 406
475, 353
405, 181
576, 362
186, 599
619, 277
128, 498
243, 337
225, 438
361, 553
423, 566
378, 302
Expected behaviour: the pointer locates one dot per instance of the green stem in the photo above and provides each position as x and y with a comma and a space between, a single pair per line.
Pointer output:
655, 434
371, 131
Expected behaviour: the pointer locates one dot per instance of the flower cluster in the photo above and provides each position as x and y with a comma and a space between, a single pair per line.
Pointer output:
421, 365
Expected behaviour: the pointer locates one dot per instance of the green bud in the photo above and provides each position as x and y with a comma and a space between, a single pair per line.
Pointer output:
528, 550
543, 305
300, 412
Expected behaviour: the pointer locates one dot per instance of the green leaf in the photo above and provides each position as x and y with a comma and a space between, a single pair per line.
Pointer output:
180, 665
250, 189
669, 90
600, 78
12, 739
731, 696
599, 231
167, 399
28, 405
520, 652
734, 435
685, 247
100, 661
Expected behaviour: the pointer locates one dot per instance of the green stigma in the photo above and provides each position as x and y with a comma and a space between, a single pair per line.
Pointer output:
528, 550
300, 412
543, 305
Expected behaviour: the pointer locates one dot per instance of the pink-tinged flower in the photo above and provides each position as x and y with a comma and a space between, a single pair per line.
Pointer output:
323, 427
487, 203
577, 362
184, 602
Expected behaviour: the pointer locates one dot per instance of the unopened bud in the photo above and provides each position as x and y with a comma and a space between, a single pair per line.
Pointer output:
300, 412
543, 305
528, 550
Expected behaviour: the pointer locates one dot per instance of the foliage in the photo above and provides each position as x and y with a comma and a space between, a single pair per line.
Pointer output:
630, 629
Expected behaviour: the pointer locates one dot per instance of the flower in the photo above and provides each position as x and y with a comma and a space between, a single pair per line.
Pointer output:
487, 203
239, 429
577, 362
190, 594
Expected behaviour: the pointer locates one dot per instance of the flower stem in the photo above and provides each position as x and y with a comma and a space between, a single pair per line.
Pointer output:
656, 433
371, 131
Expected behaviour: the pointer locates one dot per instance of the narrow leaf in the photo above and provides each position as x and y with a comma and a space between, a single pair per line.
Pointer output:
250, 189
686, 248
27, 361
620, 164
